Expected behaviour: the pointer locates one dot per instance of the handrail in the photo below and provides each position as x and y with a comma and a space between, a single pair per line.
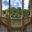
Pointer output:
14, 18
11, 19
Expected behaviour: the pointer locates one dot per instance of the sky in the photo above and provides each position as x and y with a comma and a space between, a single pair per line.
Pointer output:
14, 3
5, 4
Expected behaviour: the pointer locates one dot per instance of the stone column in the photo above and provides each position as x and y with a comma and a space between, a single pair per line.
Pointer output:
9, 25
0, 7
30, 14
22, 29
31, 8
31, 11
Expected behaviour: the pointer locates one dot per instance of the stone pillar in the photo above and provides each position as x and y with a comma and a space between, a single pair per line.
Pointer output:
22, 29
31, 8
9, 25
30, 14
0, 22
31, 11
0, 7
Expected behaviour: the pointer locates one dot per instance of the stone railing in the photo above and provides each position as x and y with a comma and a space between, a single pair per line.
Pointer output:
26, 20
15, 22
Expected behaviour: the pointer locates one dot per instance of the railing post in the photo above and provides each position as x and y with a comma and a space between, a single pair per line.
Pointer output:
22, 29
31, 11
8, 24
0, 7
0, 22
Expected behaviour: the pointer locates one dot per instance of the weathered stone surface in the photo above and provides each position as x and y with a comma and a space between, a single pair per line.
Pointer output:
3, 28
28, 28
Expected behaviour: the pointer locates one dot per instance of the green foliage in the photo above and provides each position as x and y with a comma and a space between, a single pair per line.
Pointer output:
3, 12
16, 12
26, 12
19, 11
29, 5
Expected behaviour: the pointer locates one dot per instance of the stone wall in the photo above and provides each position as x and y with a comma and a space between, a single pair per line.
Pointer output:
3, 28
28, 28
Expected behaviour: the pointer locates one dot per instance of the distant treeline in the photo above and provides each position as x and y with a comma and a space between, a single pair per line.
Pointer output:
16, 12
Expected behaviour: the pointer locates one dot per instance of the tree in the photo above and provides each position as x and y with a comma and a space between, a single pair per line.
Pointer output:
29, 5
29, 8
3, 12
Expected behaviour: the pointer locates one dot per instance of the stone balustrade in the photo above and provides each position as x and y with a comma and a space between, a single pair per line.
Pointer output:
10, 21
